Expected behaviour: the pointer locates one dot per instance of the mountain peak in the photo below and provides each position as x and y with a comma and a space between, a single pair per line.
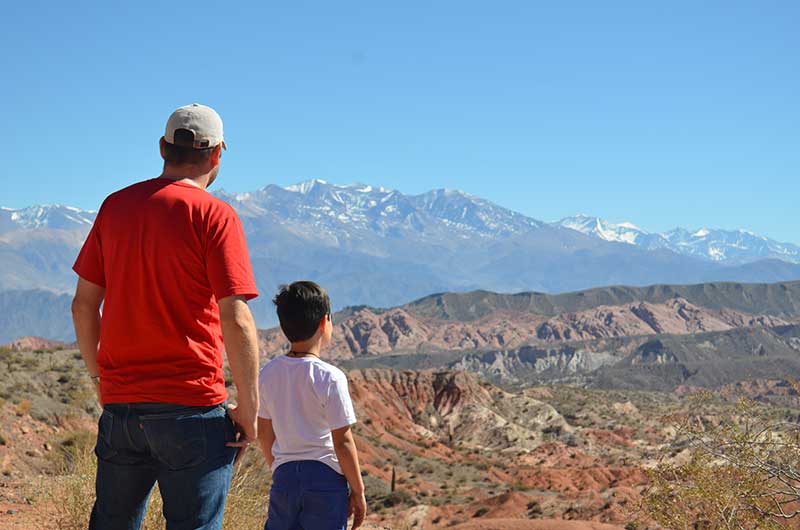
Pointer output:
306, 186
625, 232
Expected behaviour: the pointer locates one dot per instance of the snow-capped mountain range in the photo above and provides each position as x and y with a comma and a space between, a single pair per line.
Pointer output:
362, 211
723, 246
340, 211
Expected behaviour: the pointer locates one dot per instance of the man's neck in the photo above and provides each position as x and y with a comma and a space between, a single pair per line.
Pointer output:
201, 180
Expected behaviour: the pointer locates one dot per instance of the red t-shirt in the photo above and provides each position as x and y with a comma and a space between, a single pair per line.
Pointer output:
165, 252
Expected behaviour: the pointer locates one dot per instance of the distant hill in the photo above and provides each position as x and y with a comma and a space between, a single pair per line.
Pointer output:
780, 299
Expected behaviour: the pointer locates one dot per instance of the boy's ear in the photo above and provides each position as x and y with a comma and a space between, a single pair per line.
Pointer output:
326, 321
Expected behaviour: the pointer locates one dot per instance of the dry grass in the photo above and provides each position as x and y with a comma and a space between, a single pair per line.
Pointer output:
70, 494
24, 407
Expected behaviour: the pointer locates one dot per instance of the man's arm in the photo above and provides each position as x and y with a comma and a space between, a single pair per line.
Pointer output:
241, 345
346, 452
266, 437
86, 318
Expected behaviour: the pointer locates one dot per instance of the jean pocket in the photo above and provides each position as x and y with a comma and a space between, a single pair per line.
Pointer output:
177, 442
105, 426
325, 509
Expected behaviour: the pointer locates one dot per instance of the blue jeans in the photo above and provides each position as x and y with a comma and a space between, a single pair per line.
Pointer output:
307, 495
182, 448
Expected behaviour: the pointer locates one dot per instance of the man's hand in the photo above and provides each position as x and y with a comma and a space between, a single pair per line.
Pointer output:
246, 430
358, 508
246, 427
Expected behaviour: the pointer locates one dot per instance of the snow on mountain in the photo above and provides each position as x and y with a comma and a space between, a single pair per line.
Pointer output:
473, 213
345, 210
54, 216
622, 232
729, 246
625, 232
738, 246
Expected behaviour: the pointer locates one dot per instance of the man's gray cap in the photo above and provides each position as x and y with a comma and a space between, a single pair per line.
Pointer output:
202, 121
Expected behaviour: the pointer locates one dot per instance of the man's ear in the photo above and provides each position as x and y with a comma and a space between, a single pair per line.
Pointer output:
161, 147
215, 155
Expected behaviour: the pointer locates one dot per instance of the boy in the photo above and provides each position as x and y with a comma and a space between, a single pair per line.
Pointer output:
305, 414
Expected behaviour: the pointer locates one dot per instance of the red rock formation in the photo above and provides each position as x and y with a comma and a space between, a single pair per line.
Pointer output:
35, 343
400, 331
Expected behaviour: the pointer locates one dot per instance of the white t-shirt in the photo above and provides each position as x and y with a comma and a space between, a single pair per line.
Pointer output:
306, 398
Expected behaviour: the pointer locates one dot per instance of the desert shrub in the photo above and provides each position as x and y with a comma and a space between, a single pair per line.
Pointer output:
552, 431
570, 440
534, 509
742, 472
29, 363
71, 491
395, 498
480, 512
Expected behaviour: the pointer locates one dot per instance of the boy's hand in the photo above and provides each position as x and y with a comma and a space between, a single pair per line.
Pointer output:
358, 508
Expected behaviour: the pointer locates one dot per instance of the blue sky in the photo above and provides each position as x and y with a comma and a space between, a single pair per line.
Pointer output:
670, 113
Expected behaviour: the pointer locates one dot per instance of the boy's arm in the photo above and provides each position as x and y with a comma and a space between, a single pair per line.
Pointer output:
266, 437
346, 452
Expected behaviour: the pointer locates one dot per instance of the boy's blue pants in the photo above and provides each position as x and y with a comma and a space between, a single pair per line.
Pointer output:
307, 495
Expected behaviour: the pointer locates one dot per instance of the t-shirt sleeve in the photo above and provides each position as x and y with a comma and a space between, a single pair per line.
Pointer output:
227, 260
339, 407
89, 264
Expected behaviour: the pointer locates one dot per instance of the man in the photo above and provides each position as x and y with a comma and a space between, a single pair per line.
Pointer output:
169, 263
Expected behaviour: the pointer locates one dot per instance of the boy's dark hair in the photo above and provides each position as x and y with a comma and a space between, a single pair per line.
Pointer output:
182, 152
301, 307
